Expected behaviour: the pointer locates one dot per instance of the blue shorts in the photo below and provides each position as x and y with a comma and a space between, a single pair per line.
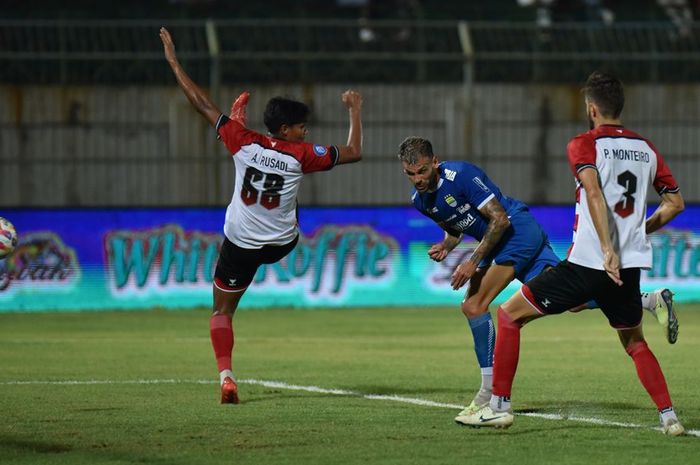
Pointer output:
525, 246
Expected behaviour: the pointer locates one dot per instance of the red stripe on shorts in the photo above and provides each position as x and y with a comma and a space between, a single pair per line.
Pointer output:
529, 296
220, 284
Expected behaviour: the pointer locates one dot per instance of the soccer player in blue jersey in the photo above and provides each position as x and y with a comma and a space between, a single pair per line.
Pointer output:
461, 199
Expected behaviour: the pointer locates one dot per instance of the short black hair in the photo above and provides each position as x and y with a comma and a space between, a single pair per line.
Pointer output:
281, 110
606, 91
412, 148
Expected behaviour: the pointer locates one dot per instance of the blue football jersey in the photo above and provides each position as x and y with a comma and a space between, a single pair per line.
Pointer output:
462, 189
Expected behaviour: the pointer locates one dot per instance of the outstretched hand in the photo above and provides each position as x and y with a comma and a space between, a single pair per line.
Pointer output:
168, 45
238, 108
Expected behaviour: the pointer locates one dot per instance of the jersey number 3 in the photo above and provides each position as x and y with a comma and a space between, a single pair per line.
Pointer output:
272, 185
625, 207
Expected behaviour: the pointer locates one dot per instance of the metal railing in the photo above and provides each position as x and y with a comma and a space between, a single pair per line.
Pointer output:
120, 52
107, 125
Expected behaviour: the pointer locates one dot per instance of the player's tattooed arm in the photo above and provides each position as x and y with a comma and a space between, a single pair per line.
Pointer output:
498, 223
197, 97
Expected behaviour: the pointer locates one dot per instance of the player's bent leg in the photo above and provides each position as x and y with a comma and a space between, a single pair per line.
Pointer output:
511, 317
484, 286
651, 377
497, 413
222, 339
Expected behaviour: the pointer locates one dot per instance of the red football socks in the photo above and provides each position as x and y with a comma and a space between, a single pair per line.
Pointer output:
506, 354
650, 374
221, 332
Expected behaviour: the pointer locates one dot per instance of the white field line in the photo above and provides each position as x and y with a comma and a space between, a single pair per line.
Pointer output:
341, 392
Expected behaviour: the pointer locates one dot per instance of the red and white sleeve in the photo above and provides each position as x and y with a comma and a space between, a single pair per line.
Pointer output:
581, 153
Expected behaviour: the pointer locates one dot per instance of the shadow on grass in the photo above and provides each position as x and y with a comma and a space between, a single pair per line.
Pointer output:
95, 409
96, 453
33, 445
515, 430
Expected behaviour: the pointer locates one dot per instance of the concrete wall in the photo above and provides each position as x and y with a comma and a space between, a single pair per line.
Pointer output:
136, 146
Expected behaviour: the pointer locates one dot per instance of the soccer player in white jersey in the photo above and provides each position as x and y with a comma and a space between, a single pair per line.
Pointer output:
613, 167
261, 222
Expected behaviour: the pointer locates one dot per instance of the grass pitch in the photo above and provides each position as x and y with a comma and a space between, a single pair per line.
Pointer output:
141, 387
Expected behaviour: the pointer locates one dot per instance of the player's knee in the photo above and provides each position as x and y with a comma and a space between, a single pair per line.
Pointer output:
508, 320
225, 303
635, 347
472, 309
221, 310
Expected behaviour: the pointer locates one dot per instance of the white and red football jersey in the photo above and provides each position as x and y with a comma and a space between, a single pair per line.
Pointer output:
627, 165
268, 174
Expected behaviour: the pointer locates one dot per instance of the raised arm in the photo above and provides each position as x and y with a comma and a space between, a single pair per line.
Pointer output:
498, 223
671, 205
599, 214
194, 93
352, 152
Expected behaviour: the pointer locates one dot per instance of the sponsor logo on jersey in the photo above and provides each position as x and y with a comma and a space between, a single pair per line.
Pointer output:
450, 200
450, 175
463, 224
481, 184
463, 208
434, 210
320, 150
546, 302
451, 218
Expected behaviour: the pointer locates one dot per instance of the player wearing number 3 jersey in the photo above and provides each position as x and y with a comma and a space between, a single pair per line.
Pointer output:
261, 221
613, 168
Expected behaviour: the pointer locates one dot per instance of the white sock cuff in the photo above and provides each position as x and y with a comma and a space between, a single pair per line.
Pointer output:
224, 374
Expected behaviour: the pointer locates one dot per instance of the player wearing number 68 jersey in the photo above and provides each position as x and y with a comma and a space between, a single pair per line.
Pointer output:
261, 222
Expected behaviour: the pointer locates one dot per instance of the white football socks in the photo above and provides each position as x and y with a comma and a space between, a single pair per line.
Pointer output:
486, 379
500, 403
224, 374
667, 414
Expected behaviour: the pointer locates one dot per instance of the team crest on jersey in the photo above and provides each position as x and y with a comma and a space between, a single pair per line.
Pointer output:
450, 200
463, 208
320, 150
